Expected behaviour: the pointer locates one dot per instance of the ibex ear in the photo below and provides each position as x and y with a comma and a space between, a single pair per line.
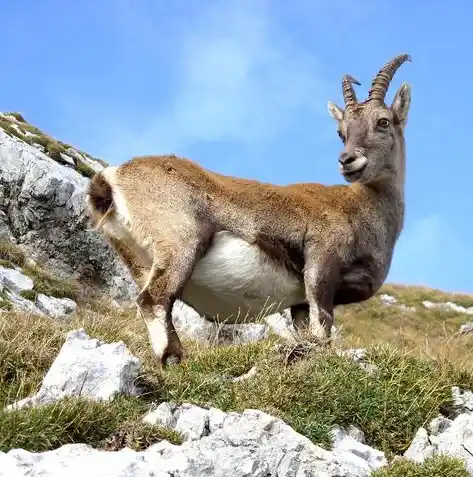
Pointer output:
401, 103
335, 111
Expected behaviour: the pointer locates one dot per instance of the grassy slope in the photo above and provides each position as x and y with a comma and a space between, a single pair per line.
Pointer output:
418, 355
15, 124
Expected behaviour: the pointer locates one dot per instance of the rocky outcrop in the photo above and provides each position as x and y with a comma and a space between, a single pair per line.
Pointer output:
217, 444
42, 206
452, 436
88, 368
13, 283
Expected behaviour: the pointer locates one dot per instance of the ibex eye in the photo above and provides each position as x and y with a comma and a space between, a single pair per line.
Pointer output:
383, 123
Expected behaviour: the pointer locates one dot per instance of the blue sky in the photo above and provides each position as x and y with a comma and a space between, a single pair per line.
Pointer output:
241, 86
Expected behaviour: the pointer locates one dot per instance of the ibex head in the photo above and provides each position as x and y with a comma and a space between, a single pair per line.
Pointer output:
371, 131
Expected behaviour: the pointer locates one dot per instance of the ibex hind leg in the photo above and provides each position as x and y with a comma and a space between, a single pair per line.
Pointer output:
173, 264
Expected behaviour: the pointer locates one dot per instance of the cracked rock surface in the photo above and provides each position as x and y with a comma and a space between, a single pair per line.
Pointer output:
452, 436
42, 209
217, 444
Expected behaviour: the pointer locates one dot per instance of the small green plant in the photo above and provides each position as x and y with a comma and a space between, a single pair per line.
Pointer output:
6, 264
48, 285
17, 116
54, 151
438, 466
5, 303
8, 127
85, 170
138, 435
11, 253
29, 294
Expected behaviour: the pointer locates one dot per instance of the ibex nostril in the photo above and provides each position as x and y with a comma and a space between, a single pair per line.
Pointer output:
346, 159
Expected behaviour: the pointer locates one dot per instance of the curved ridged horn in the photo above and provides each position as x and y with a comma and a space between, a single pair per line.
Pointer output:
380, 84
349, 95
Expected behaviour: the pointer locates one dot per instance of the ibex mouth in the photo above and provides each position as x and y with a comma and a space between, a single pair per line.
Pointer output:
354, 170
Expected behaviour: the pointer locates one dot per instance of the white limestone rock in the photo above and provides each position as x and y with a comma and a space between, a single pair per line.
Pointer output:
353, 441
55, 307
89, 368
466, 328
14, 280
420, 447
216, 444
448, 306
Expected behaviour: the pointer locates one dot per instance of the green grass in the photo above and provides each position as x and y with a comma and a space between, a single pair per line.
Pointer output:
311, 395
5, 303
17, 116
438, 466
52, 146
6, 264
29, 294
71, 420
48, 285
138, 435
11, 254
408, 390
85, 170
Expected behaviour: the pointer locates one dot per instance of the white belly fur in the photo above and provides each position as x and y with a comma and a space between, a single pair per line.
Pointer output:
237, 282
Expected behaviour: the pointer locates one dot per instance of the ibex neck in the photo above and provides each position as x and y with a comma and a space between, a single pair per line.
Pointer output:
387, 194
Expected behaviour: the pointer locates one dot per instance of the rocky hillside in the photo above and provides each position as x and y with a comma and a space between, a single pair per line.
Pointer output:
80, 390
42, 187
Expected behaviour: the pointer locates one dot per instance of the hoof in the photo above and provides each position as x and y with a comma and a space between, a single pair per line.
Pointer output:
171, 360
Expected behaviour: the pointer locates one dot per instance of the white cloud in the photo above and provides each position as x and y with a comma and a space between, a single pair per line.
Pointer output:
235, 77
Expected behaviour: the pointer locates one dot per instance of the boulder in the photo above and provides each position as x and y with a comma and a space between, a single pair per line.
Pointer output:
89, 368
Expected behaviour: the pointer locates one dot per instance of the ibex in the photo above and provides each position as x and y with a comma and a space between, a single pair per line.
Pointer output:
228, 246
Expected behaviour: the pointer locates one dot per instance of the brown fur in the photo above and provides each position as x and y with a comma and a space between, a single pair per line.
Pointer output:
337, 239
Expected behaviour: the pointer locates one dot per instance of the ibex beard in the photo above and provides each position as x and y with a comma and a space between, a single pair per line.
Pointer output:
231, 247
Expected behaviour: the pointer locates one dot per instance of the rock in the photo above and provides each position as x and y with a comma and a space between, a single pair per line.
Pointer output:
358, 355
43, 209
438, 425
55, 307
216, 444
352, 441
462, 400
162, 416
448, 306
238, 334
96, 166
121, 289
67, 159
21, 304
190, 324
420, 448
14, 280
86, 367
466, 328
5, 232
457, 440
388, 299
451, 437
251, 373
254, 443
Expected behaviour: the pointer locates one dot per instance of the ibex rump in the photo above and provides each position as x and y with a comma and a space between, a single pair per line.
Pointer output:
229, 247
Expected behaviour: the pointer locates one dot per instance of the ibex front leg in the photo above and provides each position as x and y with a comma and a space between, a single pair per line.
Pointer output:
173, 264
321, 277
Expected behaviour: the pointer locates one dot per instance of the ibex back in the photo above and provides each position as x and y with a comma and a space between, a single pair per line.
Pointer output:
234, 248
